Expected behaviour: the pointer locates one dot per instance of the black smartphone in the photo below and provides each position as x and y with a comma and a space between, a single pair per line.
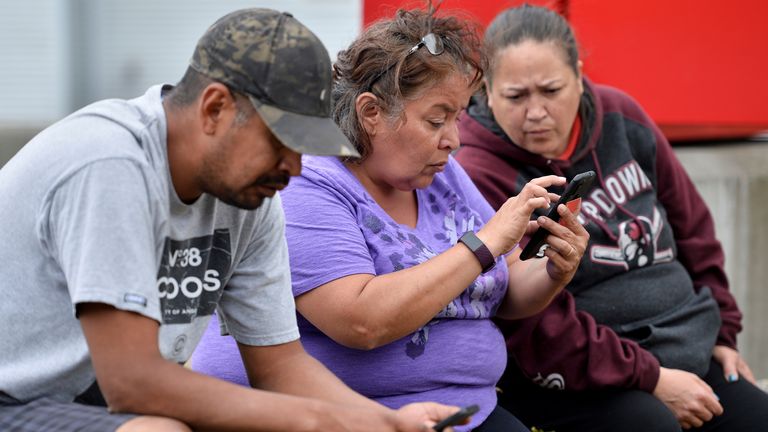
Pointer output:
457, 418
575, 189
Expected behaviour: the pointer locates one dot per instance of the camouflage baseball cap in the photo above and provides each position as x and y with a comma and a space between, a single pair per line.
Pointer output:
285, 71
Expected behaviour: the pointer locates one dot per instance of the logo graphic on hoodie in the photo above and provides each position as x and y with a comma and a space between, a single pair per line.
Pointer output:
637, 244
553, 381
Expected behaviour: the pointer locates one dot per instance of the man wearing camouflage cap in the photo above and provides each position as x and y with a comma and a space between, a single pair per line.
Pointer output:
128, 223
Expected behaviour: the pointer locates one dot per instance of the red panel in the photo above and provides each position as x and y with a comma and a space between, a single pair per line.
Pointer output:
697, 66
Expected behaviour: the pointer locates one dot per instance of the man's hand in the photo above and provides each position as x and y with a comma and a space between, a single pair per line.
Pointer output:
734, 366
691, 400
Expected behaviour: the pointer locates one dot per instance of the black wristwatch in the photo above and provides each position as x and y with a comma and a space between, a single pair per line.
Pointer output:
479, 249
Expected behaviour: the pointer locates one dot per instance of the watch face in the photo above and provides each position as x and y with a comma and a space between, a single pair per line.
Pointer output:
478, 249
470, 239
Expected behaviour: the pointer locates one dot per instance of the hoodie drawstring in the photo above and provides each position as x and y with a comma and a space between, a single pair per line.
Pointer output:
606, 229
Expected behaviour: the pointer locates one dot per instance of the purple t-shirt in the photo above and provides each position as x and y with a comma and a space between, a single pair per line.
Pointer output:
335, 229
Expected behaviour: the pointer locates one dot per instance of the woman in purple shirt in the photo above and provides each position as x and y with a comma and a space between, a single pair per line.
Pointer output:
398, 262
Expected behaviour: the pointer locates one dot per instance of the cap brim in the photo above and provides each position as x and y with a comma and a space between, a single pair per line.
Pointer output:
305, 134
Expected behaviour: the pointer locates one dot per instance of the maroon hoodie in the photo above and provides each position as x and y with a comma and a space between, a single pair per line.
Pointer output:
652, 246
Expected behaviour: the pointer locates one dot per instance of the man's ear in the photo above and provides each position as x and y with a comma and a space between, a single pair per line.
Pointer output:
216, 102
368, 112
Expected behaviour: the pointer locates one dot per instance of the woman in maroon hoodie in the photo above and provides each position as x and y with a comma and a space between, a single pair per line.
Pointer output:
644, 337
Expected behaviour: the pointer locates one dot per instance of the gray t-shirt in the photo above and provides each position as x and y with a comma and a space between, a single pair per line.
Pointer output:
89, 214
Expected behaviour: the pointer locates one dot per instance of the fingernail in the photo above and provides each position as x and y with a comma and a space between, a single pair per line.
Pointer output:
718, 397
732, 377
542, 220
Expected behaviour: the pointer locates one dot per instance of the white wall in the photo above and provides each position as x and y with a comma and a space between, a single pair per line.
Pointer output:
733, 180
58, 55
33, 61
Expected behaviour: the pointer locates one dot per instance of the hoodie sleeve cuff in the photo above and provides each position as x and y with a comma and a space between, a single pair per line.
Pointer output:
726, 340
648, 373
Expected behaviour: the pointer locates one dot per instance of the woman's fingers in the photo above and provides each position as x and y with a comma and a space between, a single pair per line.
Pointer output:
567, 242
547, 181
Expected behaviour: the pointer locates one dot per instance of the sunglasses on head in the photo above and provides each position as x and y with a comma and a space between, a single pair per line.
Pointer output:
433, 43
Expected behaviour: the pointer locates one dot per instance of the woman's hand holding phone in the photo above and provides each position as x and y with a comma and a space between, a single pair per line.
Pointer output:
576, 189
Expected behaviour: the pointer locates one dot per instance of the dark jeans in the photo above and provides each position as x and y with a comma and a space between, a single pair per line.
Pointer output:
745, 408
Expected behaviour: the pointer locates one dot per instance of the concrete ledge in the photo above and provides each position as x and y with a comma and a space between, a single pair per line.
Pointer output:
733, 180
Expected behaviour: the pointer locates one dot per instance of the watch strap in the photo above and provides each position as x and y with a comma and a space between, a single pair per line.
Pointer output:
479, 249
